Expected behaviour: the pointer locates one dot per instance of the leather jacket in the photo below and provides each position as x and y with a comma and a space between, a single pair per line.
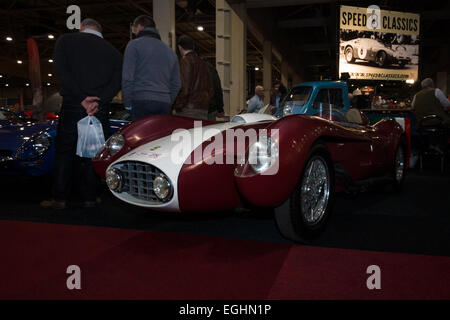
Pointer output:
196, 84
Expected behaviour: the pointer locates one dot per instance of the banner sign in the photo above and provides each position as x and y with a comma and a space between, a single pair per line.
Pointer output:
378, 44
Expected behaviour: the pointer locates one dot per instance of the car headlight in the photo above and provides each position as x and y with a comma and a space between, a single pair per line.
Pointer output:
162, 188
287, 110
115, 143
34, 147
262, 154
114, 179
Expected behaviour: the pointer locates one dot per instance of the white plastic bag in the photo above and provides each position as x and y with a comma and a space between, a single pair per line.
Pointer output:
90, 137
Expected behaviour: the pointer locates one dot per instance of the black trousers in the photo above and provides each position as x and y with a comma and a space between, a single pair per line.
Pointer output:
67, 165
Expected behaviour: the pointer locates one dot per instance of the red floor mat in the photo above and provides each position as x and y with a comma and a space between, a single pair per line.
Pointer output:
133, 264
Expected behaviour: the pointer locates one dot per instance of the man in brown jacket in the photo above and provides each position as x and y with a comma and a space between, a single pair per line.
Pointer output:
196, 84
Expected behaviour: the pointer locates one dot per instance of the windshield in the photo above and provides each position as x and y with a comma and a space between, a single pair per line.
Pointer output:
298, 96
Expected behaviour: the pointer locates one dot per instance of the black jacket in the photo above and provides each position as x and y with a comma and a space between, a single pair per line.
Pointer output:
87, 65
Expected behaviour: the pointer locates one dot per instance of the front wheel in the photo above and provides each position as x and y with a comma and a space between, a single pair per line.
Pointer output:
381, 59
349, 55
399, 167
304, 214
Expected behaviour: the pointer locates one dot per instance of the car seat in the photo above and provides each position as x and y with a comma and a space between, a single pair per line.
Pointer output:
354, 115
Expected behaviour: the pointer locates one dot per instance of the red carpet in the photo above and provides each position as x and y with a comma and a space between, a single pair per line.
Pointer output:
134, 264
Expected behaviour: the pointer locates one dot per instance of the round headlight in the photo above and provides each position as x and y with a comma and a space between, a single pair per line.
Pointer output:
287, 110
115, 143
35, 147
114, 179
162, 188
262, 154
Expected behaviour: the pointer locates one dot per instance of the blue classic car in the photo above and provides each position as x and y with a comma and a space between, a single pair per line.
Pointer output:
27, 147
327, 99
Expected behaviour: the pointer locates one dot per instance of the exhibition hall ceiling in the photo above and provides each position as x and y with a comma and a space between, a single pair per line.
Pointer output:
304, 32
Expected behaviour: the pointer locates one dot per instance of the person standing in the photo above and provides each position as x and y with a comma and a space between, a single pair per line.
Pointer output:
256, 103
89, 70
196, 85
280, 93
151, 76
275, 94
431, 101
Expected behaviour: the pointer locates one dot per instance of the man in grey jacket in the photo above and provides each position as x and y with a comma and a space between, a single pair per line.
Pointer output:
151, 75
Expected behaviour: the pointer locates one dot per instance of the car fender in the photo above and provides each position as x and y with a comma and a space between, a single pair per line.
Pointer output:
296, 135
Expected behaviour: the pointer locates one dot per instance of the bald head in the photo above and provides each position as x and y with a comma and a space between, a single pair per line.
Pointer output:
259, 91
427, 83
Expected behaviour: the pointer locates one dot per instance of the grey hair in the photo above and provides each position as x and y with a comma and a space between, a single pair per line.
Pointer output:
88, 22
427, 83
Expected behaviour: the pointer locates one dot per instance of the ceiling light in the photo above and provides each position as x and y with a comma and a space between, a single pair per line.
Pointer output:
6, 85
1, 76
200, 28
48, 83
9, 39
19, 61
256, 68
50, 60
27, 84
49, 74
50, 36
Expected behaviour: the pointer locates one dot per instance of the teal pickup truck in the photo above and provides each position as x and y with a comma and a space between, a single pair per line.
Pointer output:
327, 99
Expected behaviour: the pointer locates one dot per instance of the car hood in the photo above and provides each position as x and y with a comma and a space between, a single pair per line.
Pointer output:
13, 135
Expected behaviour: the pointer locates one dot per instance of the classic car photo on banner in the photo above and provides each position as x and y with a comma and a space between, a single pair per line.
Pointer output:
386, 49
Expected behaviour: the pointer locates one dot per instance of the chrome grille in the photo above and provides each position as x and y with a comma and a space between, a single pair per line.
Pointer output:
138, 180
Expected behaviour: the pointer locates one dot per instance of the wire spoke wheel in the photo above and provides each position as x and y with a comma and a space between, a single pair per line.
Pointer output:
304, 214
315, 190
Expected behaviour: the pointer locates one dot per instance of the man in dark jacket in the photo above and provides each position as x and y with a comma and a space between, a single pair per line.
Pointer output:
89, 70
151, 76
196, 85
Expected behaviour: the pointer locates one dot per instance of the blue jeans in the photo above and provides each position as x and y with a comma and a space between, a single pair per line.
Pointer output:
144, 108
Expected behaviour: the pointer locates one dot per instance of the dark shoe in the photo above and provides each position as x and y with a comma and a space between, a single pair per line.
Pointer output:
52, 204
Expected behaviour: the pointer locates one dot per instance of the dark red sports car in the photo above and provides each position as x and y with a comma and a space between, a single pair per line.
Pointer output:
294, 164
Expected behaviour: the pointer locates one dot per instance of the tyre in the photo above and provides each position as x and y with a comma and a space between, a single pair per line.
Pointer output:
349, 55
304, 214
381, 59
399, 165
